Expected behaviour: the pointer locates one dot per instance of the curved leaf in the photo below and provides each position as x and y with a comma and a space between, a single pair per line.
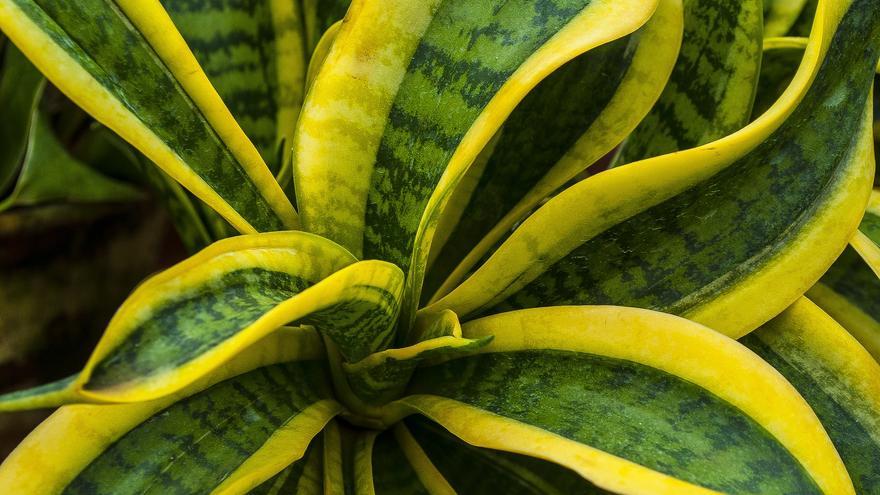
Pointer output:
570, 120
778, 66
137, 76
712, 87
836, 376
633, 400
190, 319
399, 466
189, 442
382, 376
721, 233
254, 55
375, 168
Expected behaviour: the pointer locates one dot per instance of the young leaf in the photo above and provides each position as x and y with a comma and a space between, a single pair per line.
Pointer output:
136, 76
633, 400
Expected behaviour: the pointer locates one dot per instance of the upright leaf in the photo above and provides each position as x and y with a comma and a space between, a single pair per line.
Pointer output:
380, 146
136, 76
253, 52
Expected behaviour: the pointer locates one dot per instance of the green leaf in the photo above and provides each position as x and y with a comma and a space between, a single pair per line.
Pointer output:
136, 76
381, 146
382, 376
712, 87
50, 175
471, 469
570, 120
231, 436
253, 54
21, 86
728, 234
399, 466
190, 319
836, 376
634, 401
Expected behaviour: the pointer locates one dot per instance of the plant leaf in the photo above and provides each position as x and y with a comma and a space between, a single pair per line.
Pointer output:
708, 233
188, 320
382, 376
319, 15
836, 376
474, 470
569, 121
217, 426
397, 465
778, 66
136, 76
254, 55
50, 175
374, 169
621, 396
712, 87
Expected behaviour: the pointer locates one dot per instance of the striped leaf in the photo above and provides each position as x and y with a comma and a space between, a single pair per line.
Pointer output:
569, 121
620, 396
195, 316
470, 469
381, 146
712, 87
229, 437
381, 377
728, 234
137, 76
836, 376
253, 52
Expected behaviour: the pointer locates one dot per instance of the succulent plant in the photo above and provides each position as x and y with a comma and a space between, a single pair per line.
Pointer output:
524, 246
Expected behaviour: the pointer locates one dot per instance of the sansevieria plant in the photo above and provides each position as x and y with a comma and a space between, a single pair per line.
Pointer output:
538, 246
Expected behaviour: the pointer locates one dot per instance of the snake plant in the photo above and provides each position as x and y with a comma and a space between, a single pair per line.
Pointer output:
475, 246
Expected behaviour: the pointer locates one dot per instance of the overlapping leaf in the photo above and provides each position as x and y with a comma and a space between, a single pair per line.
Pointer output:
622, 397
381, 146
722, 233
137, 76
